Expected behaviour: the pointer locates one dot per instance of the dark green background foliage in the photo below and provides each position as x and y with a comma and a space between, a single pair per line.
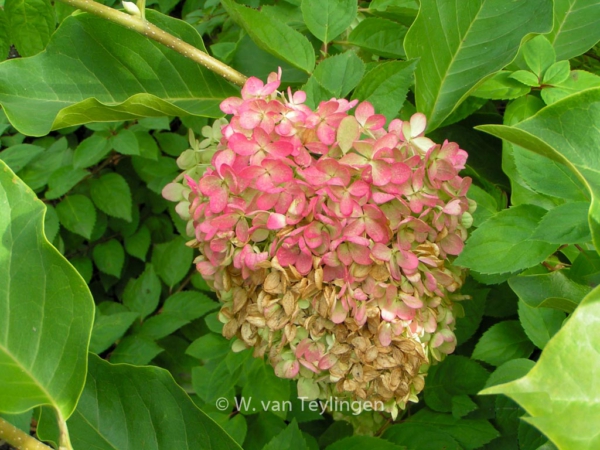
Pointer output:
106, 147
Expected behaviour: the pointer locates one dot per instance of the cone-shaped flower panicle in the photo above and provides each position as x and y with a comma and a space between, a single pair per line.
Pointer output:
329, 239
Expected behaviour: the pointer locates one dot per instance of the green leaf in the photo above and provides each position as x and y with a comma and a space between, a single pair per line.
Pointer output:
30, 24
539, 55
530, 438
138, 243
209, 346
109, 328
263, 385
289, 439
326, 19
18, 156
110, 81
386, 86
214, 381
108, 415
251, 60
77, 214
340, 74
462, 405
111, 194
403, 11
509, 371
4, 38
142, 294
38, 171
501, 87
503, 342
46, 310
486, 205
172, 260
561, 392
109, 257
540, 324
362, 442
577, 81
91, 151
63, 180
586, 268
171, 143
273, 36
126, 143
526, 77
504, 242
456, 375
418, 436
461, 43
469, 433
548, 177
379, 36
51, 223
565, 224
557, 73
467, 325
574, 116
179, 309
262, 427
537, 289
136, 349
575, 28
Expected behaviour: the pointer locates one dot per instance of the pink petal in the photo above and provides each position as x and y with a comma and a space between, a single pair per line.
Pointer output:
363, 112
280, 149
382, 173
287, 256
339, 314
453, 208
230, 105
360, 254
327, 362
375, 122
407, 260
418, 123
276, 221
400, 173
381, 252
326, 134
344, 254
452, 244
241, 145
280, 173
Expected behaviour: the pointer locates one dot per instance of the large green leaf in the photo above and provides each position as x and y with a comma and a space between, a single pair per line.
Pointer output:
565, 131
126, 407
460, 42
575, 28
96, 71
562, 391
46, 310
273, 36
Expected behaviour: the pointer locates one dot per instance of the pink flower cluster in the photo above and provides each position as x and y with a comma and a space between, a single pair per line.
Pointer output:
337, 198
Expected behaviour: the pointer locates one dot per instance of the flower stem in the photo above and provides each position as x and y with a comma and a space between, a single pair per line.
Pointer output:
19, 439
153, 32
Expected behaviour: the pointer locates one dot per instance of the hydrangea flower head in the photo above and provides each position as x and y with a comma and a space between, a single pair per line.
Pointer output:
329, 240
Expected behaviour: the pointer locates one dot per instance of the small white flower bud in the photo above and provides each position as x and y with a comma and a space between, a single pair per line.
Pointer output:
132, 9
